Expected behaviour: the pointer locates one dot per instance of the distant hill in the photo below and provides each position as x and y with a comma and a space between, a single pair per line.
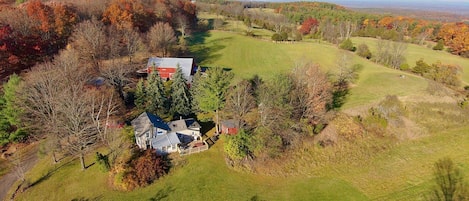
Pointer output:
416, 14
453, 10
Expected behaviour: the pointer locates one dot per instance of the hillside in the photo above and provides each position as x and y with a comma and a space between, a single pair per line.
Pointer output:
380, 144
399, 171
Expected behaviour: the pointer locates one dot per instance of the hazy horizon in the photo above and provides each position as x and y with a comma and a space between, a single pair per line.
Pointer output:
451, 6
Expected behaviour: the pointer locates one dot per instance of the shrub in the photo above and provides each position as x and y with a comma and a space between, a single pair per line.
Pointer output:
440, 45
421, 67
405, 67
276, 37
347, 45
283, 36
375, 122
265, 143
364, 51
145, 168
237, 146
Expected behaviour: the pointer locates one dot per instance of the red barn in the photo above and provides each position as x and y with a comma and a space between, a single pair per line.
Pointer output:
167, 66
229, 127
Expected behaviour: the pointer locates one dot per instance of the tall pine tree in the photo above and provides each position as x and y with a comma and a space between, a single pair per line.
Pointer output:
211, 91
193, 89
180, 96
155, 96
140, 95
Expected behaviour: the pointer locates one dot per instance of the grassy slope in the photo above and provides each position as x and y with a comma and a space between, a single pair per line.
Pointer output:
204, 177
248, 56
415, 52
402, 173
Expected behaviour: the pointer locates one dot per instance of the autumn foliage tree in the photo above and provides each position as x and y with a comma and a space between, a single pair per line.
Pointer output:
456, 37
33, 33
145, 168
309, 25
129, 14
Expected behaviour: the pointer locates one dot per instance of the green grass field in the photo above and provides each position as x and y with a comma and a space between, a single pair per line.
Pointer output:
204, 176
415, 52
402, 172
248, 56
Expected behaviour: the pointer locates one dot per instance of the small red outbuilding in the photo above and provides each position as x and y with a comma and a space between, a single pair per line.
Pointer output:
229, 127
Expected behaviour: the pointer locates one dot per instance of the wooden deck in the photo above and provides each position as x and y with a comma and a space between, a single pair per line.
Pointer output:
194, 147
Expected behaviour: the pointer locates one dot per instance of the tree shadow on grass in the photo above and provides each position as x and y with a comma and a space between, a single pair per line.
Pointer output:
203, 51
87, 199
162, 194
49, 174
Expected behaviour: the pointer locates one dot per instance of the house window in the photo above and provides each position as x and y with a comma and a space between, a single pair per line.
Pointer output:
160, 132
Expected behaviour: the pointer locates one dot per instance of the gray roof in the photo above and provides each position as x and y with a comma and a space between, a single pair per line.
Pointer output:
144, 122
165, 140
183, 124
184, 63
230, 123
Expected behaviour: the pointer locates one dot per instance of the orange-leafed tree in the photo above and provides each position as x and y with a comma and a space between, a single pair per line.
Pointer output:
65, 17
456, 37
33, 33
41, 13
129, 14
308, 26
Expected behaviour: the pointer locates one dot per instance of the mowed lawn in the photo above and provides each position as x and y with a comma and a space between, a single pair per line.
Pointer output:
247, 57
204, 176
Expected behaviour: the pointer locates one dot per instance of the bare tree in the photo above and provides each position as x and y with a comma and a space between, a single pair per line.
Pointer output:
397, 51
390, 53
117, 74
59, 101
103, 108
132, 42
318, 92
240, 101
39, 93
114, 46
89, 39
329, 31
161, 37
183, 24
346, 28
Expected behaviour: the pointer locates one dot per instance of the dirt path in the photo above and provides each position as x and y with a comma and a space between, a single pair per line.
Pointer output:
27, 162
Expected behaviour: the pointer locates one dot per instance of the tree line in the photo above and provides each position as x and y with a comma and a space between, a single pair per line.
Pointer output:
335, 23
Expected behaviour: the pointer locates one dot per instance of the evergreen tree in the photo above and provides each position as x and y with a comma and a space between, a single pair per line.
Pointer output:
211, 91
140, 95
193, 90
10, 113
421, 68
155, 96
180, 96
